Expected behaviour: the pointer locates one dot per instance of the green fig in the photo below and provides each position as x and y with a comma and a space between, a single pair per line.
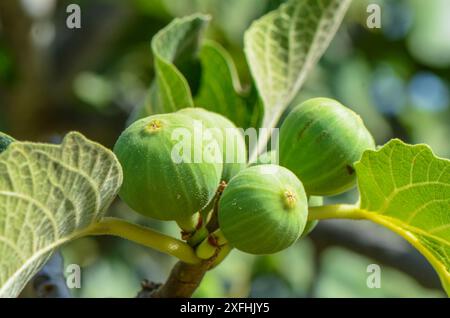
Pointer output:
320, 140
163, 177
263, 209
229, 139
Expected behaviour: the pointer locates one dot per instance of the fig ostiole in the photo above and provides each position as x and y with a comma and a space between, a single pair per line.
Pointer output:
224, 135
263, 209
320, 140
162, 179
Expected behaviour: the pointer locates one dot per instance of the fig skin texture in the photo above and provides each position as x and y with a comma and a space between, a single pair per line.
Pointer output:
154, 184
320, 140
263, 209
235, 149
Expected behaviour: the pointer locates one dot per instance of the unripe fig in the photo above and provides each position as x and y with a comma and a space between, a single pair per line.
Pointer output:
320, 140
162, 178
229, 139
263, 209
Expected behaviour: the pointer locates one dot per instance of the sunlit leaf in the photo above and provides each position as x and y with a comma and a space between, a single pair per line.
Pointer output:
407, 189
49, 194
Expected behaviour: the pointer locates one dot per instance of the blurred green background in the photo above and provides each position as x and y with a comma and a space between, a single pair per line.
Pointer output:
54, 79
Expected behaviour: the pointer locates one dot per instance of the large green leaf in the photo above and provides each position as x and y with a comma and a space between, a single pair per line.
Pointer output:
285, 44
49, 194
172, 47
407, 189
220, 88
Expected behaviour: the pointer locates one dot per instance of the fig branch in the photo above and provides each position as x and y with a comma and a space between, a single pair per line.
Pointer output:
145, 236
184, 278
182, 282
337, 211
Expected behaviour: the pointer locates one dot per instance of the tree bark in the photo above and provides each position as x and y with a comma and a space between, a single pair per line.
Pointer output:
182, 282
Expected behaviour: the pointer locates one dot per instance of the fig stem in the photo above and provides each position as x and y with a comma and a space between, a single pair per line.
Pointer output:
211, 245
184, 279
213, 223
223, 253
337, 211
198, 236
146, 237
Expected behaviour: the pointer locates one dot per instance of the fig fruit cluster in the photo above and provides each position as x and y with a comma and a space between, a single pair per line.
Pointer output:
263, 207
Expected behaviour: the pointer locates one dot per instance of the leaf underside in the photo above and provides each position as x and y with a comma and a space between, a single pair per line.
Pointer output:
49, 194
407, 189
284, 45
